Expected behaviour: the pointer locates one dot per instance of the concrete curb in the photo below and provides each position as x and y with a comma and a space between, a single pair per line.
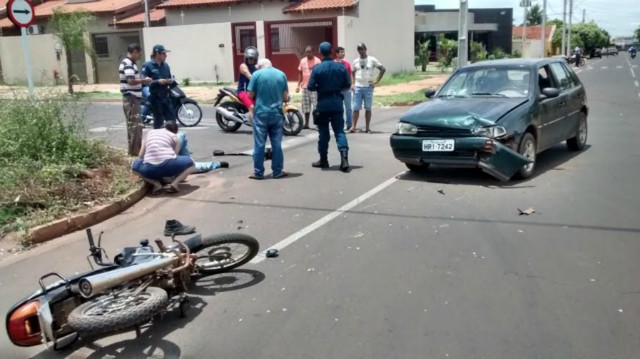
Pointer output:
61, 227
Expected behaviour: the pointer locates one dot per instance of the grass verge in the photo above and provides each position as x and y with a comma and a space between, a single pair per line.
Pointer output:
403, 99
50, 169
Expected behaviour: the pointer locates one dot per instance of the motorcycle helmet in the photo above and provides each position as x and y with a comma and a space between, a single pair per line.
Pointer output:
251, 53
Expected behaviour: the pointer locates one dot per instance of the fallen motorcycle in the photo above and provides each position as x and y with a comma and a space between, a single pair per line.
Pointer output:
139, 285
232, 114
188, 112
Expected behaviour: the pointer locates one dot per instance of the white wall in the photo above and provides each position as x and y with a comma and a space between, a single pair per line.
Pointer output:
389, 37
195, 51
249, 12
43, 59
532, 48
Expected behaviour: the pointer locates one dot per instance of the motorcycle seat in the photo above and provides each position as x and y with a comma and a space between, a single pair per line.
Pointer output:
233, 91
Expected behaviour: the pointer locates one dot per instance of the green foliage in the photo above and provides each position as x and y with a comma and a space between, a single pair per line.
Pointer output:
186, 81
534, 15
556, 22
70, 27
422, 55
637, 33
47, 162
401, 78
478, 51
586, 35
516, 54
447, 51
498, 53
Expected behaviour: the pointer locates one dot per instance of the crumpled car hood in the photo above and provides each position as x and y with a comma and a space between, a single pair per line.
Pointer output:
467, 113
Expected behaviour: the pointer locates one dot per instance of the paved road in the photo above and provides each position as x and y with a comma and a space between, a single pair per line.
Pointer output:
379, 264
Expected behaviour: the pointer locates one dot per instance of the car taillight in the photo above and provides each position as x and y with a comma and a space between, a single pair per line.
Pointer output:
23, 326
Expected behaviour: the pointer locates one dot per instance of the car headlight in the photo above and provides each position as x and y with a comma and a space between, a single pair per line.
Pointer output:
491, 132
406, 129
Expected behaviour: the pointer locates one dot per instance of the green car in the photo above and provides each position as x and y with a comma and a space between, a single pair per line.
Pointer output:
497, 116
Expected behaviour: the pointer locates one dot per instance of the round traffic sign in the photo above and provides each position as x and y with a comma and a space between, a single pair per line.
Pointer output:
21, 12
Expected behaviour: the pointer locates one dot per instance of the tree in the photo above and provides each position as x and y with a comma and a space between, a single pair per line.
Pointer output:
556, 22
422, 54
637, 33
534, 16
447, 49
478, 51
70, 28
586, 35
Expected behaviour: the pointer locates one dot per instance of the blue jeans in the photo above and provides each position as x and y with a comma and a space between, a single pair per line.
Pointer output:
267, 125
168, 168
144, 109
162, 111
201, 167
336, 120
347, 107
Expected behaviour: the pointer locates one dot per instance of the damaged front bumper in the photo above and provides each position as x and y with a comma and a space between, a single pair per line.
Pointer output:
490, 155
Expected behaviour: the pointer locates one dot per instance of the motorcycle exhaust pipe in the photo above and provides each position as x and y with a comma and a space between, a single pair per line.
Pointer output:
228, 114
99, 283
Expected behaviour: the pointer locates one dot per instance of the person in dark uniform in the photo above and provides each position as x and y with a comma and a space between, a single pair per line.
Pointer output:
160, 73
329, 79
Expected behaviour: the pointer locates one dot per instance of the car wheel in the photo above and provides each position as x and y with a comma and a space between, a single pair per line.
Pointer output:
527, 148
578, 142
421, 168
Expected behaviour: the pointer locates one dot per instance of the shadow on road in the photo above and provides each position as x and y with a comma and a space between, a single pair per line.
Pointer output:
151, 342
549, 160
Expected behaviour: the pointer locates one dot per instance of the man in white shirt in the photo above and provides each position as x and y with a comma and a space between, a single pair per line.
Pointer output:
131, 89
363, 70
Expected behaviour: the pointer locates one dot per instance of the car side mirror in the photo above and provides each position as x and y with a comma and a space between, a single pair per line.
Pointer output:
550, 92
430, 93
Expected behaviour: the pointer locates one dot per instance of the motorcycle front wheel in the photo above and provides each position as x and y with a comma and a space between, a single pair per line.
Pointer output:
189, 114
116, 311
293, 123
228, 125
223, 252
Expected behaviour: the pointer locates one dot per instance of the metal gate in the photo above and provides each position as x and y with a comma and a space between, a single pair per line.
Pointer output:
286, 41
243, 36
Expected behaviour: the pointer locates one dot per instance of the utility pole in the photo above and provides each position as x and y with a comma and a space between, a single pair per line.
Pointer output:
570, 24
463, 42
544, 28
524, 4
584, 15
147, 19
563, 50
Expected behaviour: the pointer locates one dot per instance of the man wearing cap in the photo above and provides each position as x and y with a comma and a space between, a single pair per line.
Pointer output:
363, 69
329, 79
161, 81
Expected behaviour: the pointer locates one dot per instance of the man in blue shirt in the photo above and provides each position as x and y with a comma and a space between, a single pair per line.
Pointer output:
160, 73
330, 79
269, 88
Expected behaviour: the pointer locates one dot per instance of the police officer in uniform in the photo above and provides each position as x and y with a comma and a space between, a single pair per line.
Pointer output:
329, 79
158, 70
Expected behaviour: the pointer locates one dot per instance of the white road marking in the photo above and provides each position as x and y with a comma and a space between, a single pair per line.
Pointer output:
633, 73
328, 218
604, 67
619, 67
637, 84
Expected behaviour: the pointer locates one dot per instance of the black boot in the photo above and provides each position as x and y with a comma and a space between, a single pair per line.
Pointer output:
174, 226
344, 161
322, 163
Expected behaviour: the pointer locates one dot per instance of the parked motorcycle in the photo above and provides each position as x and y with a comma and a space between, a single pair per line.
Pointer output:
572, 60
232, 114
188, 112
138, 285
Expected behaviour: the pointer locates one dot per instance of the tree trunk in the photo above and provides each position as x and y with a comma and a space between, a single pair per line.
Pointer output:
69, 69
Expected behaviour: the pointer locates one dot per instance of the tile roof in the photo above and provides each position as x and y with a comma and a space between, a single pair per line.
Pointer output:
319, 5
533, 32
186, 3
155, 15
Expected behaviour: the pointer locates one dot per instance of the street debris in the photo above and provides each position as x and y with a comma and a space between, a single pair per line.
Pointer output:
358, 235
620, 310
311, 270
272, 253
283, 289
592, 280
527, 212
444, 225
240, 221
441, 192
520, 231
411, 189
284, 309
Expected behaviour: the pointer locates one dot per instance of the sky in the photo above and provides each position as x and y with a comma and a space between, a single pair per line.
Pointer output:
619, 18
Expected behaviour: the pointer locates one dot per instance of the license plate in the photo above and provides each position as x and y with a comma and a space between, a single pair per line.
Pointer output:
438, 145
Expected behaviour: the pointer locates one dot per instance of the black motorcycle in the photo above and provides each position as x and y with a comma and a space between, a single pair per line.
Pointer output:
187, 111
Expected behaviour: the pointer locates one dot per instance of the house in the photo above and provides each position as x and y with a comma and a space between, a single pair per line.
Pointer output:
533, 42
491, 27
118, 23
208, 37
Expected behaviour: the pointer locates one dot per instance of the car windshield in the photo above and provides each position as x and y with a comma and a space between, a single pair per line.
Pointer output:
488, 81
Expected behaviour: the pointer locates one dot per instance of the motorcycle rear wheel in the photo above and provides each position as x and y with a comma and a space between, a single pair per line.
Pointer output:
189, 114
227, 125
293, 123
215, 255
108, 313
